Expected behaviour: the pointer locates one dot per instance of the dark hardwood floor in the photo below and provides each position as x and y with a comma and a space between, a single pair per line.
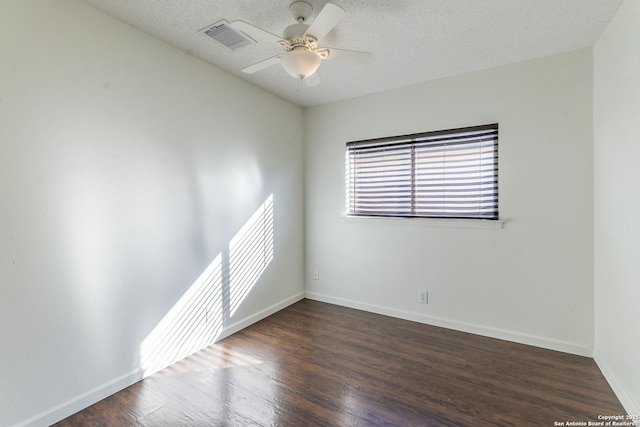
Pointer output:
316, 364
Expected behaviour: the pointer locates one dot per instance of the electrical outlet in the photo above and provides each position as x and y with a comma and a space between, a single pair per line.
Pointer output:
316, 276
423, 297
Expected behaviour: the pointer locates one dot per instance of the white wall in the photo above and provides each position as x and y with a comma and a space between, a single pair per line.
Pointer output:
531, 281
126, 167
617, 203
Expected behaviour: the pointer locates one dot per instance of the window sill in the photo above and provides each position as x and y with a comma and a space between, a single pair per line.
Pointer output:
491, 224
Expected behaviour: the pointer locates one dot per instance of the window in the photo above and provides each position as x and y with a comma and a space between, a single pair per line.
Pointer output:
443, 174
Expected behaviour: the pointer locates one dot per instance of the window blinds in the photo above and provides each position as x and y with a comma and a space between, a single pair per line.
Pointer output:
451, 173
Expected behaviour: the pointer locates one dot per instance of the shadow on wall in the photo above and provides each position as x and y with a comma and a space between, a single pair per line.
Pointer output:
199, 317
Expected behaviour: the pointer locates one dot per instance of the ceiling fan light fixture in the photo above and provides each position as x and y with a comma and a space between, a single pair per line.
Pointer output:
300, 63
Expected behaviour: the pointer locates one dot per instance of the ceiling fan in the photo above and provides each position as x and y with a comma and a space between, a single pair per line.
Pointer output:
302, 55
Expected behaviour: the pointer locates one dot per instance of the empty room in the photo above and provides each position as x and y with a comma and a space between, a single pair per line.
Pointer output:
343, 213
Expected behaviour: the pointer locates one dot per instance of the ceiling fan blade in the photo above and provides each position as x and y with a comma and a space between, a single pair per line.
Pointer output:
255, 33
353, 56
262, 65
329, 17
313, 80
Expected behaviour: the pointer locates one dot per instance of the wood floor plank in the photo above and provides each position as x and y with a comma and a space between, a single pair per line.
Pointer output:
317, 364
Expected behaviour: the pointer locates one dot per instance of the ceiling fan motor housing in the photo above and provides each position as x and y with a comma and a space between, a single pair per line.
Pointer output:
294, 31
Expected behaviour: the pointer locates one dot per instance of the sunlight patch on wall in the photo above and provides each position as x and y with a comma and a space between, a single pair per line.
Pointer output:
199, 317
193, 323
250, 252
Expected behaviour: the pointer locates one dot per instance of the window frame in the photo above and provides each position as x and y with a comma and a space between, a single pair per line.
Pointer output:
411, 199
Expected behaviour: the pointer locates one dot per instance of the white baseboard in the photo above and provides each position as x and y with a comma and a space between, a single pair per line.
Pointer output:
70, 407
551, 344
247, 321
632, 408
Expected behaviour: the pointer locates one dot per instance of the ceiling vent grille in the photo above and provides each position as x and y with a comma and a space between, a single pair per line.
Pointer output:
223, 33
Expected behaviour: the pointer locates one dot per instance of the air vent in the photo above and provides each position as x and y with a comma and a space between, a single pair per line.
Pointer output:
223, 33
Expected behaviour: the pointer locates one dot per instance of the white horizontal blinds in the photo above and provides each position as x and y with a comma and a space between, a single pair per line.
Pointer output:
451, 173
380, 179
457, 174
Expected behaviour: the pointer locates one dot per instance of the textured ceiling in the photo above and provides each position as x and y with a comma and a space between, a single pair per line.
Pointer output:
412, 40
